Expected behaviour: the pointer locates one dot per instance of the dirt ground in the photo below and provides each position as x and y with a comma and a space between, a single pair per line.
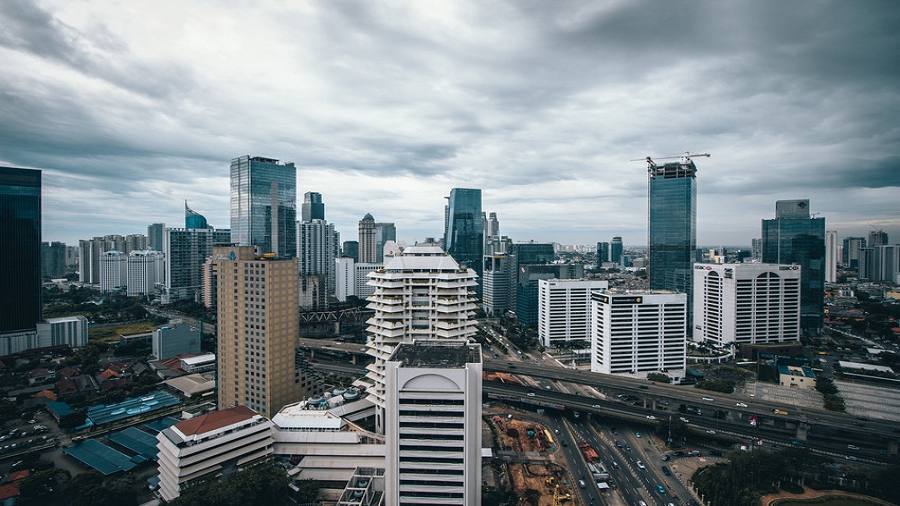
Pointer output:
534, 474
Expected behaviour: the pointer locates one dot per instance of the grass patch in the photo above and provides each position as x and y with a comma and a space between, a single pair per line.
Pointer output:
110, 334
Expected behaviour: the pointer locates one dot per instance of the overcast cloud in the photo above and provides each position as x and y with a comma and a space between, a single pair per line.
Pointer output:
130, 108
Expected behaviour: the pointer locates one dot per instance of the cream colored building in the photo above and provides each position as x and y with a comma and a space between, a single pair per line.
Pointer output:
258, 326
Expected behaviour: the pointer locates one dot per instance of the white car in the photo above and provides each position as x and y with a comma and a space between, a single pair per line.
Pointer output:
710, 432
741, 405
651, 417
641, 465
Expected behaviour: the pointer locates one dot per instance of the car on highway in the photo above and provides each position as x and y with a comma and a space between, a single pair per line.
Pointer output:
666, 471
618, 444
685, 420
615, 464
852, 447
530, 394
640, 465
710, 432
709, 399
665, 458
637, 435
595, 406
650, 417
741, 405
627, 448
660, 489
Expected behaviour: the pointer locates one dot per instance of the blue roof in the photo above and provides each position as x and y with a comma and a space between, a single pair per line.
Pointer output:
100, 414
60, 408
137, 441
104, 459
161, 424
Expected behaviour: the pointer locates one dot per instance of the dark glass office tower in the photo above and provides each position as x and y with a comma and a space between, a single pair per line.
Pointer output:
615, 250
795, 238
463, 233
673, 225
313, 208
264, 205
193, 219
602, 253
20, 247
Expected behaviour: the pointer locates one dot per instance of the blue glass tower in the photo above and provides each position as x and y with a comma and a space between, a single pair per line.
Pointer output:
193, 219
672, 226
795, 238
264, 205
20, 246
463, 229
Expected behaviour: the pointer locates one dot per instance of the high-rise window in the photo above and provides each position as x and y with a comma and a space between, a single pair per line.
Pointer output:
20, 245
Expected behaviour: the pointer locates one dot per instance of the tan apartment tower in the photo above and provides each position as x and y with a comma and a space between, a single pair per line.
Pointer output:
258, 326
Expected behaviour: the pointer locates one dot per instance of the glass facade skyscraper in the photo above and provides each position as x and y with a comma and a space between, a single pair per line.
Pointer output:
673, 225
193, 219
795, 238
463, 230
20, 246
264, 205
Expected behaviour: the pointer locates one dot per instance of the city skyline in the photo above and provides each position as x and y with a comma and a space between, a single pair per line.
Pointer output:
384, 108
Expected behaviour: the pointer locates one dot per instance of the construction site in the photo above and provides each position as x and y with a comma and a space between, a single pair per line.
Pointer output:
527, 449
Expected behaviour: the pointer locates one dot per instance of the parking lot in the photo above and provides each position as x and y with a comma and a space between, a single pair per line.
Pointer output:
785, 395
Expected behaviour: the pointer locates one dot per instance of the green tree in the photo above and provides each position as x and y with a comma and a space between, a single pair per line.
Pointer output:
37, 484
72, 420
659, 377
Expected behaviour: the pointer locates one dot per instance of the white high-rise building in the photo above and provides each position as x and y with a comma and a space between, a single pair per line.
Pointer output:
564, 309
352, 278
433, 429
420, 294
146, 269
638, 332
746, 303
113, 270
831, 255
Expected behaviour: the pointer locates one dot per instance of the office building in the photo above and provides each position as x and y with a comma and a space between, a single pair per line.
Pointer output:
113, 271
747, 303
155, 233
146, 271
796, 238
602, 254
318, 245
193, 219
312, 208
136, 242
53, 259
564, 307
258, 326
433, 434
90, 252
491, 227
368, 241
352, 278
264, 205
179, 339
463, 233
527, 279
880, 263
20, 245
185, 251
350, 249
498, 284
831, 256
203, 447
385, 233
850, 251
672, 225
422, 293
638, 332
615, 250
877, 238
69, 331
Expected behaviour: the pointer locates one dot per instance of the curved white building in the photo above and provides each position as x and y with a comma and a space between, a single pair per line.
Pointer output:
421, 294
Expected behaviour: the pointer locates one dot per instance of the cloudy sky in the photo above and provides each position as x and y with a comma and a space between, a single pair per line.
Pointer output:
131, 108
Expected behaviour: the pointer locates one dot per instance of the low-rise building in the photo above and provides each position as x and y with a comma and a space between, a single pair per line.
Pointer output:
796, 377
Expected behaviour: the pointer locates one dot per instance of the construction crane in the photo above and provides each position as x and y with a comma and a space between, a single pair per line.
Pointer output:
686, 156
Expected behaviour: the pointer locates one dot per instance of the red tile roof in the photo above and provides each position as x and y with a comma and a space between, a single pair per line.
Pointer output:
19, 475
9, 490
215, 420
46, 393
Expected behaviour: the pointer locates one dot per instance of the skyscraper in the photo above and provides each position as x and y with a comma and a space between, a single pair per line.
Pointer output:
20, 244
602, 253
53, 259
258, 325
155, 236
368, 242
672, 225
615, 250
317, 246
420, 294
433, 433
264, 205
463, 232
186, 250
384, 232
850, 252
193, 219
877, 238
795, 238
831, 256
313, 208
